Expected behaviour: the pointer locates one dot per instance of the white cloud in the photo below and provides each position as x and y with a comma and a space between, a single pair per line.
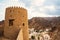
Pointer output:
37, 2
51, 7
14, 3
37, 9
33, 12
13, 0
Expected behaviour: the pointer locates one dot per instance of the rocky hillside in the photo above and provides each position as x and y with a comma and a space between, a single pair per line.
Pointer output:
44, 22
39, 23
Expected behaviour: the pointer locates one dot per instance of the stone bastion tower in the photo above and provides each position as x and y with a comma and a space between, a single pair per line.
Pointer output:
16, 23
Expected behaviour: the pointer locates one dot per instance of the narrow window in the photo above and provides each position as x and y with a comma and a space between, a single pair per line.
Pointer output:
10, 10
23, 16
18, 11
11, 22
23, 24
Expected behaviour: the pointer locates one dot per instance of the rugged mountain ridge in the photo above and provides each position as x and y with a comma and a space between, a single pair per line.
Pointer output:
39, 23
44, 22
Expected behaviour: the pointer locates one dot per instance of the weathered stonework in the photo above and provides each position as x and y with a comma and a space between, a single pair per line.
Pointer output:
15, 21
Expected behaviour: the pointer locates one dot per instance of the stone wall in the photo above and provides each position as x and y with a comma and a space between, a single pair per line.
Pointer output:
15, 20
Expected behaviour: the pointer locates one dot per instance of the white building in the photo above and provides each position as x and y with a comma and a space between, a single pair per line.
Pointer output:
39, 35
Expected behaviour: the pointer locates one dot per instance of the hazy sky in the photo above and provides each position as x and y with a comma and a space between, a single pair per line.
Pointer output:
36, 8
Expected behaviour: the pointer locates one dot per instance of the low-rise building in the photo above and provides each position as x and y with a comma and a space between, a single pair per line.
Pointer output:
41, 35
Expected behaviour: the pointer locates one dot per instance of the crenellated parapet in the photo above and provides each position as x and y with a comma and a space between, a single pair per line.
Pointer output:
15, 8
20, 10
